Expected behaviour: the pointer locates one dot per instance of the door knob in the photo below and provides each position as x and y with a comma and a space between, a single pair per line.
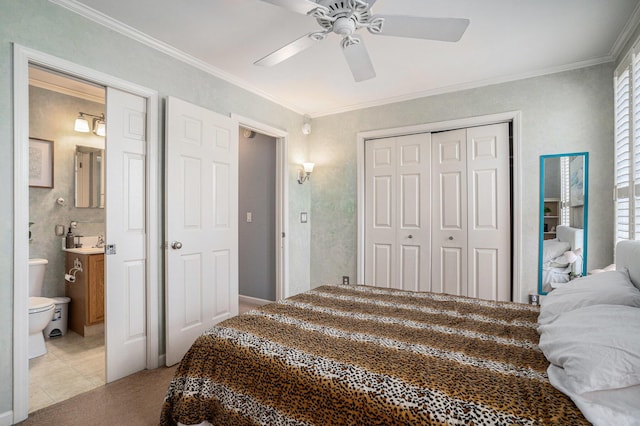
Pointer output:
410, 236
176, 245
450, 238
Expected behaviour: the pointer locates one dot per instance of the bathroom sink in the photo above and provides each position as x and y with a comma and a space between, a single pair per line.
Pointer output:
85, 250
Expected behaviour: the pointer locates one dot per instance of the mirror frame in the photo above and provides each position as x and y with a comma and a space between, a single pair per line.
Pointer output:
541, 212
99, 204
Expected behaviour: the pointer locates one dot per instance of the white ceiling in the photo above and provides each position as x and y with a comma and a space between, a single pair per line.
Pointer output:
506, 40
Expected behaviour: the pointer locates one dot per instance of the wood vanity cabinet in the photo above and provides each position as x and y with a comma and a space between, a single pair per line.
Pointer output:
87, 293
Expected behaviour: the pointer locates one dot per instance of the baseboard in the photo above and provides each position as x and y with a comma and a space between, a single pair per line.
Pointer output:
254, 300
6, 418
162, 360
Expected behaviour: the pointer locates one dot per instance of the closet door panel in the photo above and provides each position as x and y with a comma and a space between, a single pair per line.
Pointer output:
489, 226
414, 214
380, 216
398, 214
449, 223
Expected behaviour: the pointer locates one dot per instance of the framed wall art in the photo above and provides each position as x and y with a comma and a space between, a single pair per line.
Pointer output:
40, 163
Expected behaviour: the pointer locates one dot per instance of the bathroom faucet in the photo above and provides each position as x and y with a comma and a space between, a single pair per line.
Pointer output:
100, 242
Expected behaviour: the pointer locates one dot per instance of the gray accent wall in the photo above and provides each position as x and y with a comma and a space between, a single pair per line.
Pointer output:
257, 196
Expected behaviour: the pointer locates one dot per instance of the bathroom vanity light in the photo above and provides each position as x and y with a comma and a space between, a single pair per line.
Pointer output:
98, 126
82, 125
305, 172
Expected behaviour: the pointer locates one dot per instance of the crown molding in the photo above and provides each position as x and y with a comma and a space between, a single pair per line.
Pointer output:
130, 32
119, 27
65, 90
625, 35
466, 86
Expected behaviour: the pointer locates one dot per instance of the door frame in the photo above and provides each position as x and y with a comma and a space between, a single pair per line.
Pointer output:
513, 117
22, 57
282, 198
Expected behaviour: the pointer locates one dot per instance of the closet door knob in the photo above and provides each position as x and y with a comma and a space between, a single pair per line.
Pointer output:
450, 238
410, 236
176, 245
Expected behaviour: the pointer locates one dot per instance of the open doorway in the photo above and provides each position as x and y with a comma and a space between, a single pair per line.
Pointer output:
257, 246
139, 118
73, 204
273, 143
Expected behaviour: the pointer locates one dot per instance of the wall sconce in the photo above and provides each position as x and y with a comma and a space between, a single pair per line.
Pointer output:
306, 127
305, 172
82, 124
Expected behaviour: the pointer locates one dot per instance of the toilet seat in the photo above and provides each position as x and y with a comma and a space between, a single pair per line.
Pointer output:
40, 304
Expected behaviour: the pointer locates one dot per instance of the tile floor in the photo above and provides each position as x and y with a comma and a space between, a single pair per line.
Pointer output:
72, 365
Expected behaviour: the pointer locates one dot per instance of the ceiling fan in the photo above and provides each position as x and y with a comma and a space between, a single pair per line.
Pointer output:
345, 17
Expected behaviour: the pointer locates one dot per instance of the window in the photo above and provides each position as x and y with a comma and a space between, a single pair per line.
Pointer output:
627, 148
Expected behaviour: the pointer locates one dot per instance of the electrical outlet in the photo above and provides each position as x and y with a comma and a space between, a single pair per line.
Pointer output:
345, 280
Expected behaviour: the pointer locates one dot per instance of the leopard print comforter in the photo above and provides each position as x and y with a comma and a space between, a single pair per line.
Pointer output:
358, 355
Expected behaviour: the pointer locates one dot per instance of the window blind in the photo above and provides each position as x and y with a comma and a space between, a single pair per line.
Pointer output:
622, 109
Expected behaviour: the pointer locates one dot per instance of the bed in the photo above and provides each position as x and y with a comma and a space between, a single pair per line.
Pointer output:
555, 266
362, 355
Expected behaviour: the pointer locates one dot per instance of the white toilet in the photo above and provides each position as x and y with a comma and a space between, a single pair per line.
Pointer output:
40, 308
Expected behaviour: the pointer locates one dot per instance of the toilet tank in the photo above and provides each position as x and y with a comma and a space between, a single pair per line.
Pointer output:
36, 276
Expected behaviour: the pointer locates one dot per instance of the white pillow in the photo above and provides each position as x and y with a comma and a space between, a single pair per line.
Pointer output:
553, 248
608, 288
597, 346
602, 408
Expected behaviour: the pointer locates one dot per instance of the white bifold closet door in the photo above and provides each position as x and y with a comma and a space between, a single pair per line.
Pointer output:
438, 212
397, 212
471, 224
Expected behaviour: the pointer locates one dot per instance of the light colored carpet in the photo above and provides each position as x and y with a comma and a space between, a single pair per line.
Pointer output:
134, 400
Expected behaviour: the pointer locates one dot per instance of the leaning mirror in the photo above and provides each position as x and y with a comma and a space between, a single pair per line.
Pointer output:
564, 200
89, 177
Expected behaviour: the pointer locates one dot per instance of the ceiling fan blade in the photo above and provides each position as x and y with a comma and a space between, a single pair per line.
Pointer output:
442, 29
289, 50
358, 58
299, 6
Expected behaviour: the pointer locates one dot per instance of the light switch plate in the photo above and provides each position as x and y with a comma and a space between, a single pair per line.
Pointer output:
303, 217
249, 217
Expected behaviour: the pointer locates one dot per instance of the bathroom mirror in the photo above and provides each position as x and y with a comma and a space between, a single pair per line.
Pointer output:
564, 199
89, 177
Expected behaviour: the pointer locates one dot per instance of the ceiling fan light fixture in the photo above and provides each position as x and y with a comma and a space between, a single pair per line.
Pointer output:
346, 17
344, 26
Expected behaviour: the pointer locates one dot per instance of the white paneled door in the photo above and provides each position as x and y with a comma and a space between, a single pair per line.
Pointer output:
471, 216
202, 229
449, 212
397, 212
126, 229
437, 212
